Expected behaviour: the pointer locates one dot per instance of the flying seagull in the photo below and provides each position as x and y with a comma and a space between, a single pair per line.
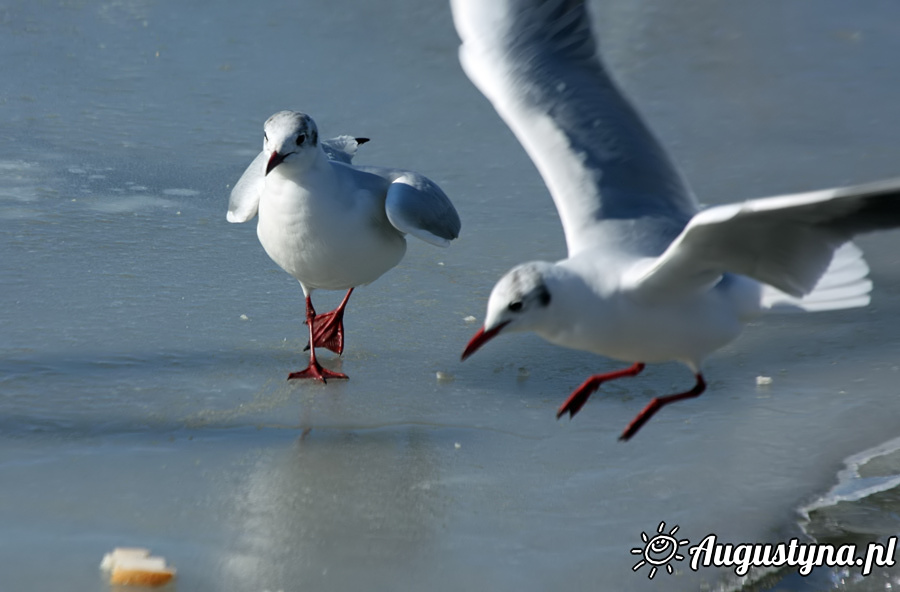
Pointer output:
649, 277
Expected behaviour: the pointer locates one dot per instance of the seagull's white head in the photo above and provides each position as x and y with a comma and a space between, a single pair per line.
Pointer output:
519, 302
289, 136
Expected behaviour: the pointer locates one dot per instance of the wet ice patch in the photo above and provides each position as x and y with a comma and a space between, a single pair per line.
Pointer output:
131, 203
22, 183
32, 190
21, 193
12, 166
20, 180
181, 192
17, 213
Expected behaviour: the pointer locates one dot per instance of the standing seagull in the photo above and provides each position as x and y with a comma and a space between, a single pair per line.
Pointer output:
330, 224
648, 277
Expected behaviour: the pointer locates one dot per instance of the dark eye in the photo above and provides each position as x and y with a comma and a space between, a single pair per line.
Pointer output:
300, 139
265, 136
515, 306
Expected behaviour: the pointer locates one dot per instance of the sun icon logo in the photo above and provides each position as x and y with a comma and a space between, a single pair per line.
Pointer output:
659, 550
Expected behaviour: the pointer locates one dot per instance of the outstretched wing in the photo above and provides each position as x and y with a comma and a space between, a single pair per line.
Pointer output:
787, 242
536, 61
414, 204
244, 201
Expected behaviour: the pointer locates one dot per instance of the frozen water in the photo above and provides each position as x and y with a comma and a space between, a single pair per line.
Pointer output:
144, 341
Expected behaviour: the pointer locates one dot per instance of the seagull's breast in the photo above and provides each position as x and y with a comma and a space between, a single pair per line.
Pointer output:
329, 233
594, 313
685, 330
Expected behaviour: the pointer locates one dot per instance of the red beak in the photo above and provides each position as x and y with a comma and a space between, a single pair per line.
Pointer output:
274, 160
481, 338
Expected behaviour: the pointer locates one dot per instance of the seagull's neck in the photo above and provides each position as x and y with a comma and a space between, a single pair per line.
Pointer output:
312, 173
569, 294
583, 307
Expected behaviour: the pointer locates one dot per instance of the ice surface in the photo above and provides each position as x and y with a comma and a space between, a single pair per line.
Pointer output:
144, 341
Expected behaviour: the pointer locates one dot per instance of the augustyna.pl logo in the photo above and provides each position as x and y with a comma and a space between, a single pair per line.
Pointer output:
659, 550
662, 549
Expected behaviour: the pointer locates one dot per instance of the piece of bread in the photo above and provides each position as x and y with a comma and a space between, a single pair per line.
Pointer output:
132, 566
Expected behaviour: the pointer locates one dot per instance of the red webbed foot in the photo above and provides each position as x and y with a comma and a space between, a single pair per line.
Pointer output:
580, 396
317, 372
658, 403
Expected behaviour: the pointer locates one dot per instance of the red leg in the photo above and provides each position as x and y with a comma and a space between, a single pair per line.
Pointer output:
658, 403
578, 398
328, 328
314, 370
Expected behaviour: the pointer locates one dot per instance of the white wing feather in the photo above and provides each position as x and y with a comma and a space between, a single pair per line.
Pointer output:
244, 201
787, 242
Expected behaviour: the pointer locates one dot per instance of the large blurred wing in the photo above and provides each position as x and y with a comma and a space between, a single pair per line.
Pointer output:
536, 61
787, 242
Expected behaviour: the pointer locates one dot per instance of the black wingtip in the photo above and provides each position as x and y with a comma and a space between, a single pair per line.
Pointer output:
361, 140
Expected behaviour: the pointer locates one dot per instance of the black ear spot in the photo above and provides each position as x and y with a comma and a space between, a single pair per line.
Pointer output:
544, 296
515, 306
314, 137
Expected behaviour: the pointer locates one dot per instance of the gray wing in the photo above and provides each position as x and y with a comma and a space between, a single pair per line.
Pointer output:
787, 242
536, 61
414, 204
244, 201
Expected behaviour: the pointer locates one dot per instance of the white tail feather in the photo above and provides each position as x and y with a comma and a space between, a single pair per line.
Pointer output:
844, 285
